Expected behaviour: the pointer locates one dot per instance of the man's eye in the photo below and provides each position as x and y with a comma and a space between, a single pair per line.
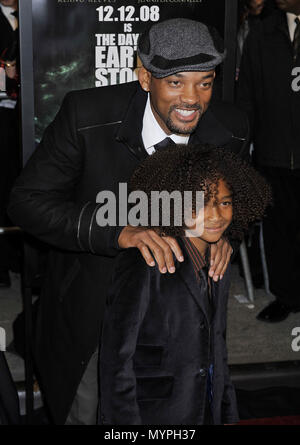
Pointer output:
226, 203
175, 83
206, 85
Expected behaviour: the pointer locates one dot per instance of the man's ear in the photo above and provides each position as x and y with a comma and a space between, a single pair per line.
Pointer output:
144, 77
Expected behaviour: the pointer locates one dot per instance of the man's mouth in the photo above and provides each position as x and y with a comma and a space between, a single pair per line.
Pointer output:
186, 115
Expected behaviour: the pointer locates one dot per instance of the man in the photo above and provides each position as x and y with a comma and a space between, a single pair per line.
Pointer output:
256, 6
95, 142
9, 165
251, 11
267, 92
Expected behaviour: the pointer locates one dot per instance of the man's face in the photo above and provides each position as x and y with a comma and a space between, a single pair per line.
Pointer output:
256, 7
11, 3
289, 6
178, 101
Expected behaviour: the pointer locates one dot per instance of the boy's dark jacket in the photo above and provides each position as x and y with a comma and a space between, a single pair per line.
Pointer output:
93, 144
155, 347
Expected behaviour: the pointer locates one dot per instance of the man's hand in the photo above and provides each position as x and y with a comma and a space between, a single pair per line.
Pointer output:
11, 69
162, 248
220, 254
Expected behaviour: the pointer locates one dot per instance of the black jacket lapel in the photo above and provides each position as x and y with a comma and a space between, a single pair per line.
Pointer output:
210, 131
282, 25
130, 130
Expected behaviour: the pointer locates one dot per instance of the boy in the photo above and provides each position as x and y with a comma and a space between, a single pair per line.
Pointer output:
163, 353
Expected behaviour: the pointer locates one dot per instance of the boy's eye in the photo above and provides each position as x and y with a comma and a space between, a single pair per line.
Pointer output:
226, 203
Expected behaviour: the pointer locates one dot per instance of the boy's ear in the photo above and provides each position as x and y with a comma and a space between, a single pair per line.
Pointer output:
144, 77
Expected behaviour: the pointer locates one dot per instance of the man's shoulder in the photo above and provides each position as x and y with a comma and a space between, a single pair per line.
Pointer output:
274, 19
268, 25
99, 106
93, 95
231, 117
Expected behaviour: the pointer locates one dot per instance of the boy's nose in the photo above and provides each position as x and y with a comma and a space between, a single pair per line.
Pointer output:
214, 214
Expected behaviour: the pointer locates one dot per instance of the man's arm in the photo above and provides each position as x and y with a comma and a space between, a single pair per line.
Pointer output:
220, 257
42, 201
246, 82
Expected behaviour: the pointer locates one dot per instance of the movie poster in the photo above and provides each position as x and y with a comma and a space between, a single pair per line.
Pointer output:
92, 43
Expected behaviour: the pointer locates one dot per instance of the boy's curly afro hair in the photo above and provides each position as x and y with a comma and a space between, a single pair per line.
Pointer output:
199, 168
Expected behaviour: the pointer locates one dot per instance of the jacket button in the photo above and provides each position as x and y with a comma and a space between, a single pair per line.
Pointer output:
202, 372
202, 326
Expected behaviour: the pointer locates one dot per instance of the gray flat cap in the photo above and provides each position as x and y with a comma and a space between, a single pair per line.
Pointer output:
179, 45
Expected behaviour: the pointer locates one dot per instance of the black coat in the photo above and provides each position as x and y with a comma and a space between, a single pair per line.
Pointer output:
93, 144
158, 343
9, 401
9, 148
265, 92
7, 35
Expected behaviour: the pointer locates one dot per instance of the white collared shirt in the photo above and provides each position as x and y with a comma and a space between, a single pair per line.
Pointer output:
7, 11
292, 24
152, 133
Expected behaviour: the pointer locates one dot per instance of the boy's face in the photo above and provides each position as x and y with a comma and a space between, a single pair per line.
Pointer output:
178, 101
217, 214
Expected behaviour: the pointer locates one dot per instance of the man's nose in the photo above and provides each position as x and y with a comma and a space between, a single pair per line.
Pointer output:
190, 95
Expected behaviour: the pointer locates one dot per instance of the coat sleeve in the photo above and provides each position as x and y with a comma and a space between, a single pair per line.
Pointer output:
42, 201
229, 402
246, 82
126, 307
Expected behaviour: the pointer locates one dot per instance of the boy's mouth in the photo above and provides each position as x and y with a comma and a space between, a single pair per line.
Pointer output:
214, 229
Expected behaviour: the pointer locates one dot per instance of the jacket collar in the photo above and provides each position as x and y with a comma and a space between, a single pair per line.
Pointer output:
209, 129
134, 120
278, 21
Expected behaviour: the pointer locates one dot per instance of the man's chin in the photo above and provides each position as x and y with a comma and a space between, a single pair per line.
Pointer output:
281, 5
184, 129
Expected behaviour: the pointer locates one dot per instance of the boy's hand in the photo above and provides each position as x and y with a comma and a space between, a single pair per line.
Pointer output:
220, 254
162, 249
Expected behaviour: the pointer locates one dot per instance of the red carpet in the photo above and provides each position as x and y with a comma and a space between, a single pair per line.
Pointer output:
288, 420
